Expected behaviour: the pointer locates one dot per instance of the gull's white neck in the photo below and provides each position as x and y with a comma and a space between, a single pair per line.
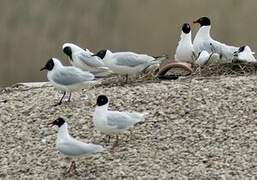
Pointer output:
203, 32
57, 64
107, 56
101, 109
185, 37
63, 132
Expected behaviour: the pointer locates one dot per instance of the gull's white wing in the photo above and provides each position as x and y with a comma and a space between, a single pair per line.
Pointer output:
213, 46
119, 120
123, 120
74, 147
88, 59
222, 49
203, 46
71, 76
131, 59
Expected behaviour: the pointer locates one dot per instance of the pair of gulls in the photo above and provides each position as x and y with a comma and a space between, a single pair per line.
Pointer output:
89, 68
204, 47
105, 121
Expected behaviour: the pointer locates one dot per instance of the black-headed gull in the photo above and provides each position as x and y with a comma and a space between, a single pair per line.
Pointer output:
113, 122
83, 59
69, 146
185, 50
67, 78
127, 63
245, 54
203, 41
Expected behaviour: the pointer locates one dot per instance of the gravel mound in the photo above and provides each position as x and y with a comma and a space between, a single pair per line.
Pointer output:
196, 128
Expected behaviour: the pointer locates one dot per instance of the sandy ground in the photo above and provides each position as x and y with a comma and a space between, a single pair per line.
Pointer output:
197, 128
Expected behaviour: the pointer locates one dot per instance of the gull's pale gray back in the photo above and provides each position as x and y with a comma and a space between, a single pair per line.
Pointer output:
76, 148
72, 76
131, 59
121, 120
90, 60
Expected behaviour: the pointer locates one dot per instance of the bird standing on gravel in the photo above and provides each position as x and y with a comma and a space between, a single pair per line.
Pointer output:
203, 41
83, 59
69, 146
185, 50
67, 78
128, 63
113, 122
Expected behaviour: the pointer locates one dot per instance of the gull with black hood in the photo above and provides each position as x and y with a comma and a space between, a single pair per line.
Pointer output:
67, 78
185, 50
128, 63
203, 41
113, 122
83, 59
244, 53
70, 146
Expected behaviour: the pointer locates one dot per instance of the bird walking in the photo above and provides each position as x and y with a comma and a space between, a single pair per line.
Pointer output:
70, 146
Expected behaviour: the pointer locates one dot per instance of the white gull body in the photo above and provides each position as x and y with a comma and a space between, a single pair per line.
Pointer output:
68, 145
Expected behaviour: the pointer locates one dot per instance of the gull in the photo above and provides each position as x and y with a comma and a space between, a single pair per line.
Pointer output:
83, 59
127, 63
203, 41
70, 146
67, 78
113, 122
185, 50
244, 53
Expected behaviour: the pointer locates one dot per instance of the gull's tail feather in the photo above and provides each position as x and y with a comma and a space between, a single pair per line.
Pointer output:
98, 148
139, 118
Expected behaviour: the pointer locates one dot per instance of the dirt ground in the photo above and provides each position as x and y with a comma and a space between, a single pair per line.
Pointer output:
196, 128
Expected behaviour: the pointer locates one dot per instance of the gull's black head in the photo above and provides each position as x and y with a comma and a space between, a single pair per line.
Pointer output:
186, 28
58, 122
67, 50
203, 21
49, 65
241, 49
101, 54
102, 100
